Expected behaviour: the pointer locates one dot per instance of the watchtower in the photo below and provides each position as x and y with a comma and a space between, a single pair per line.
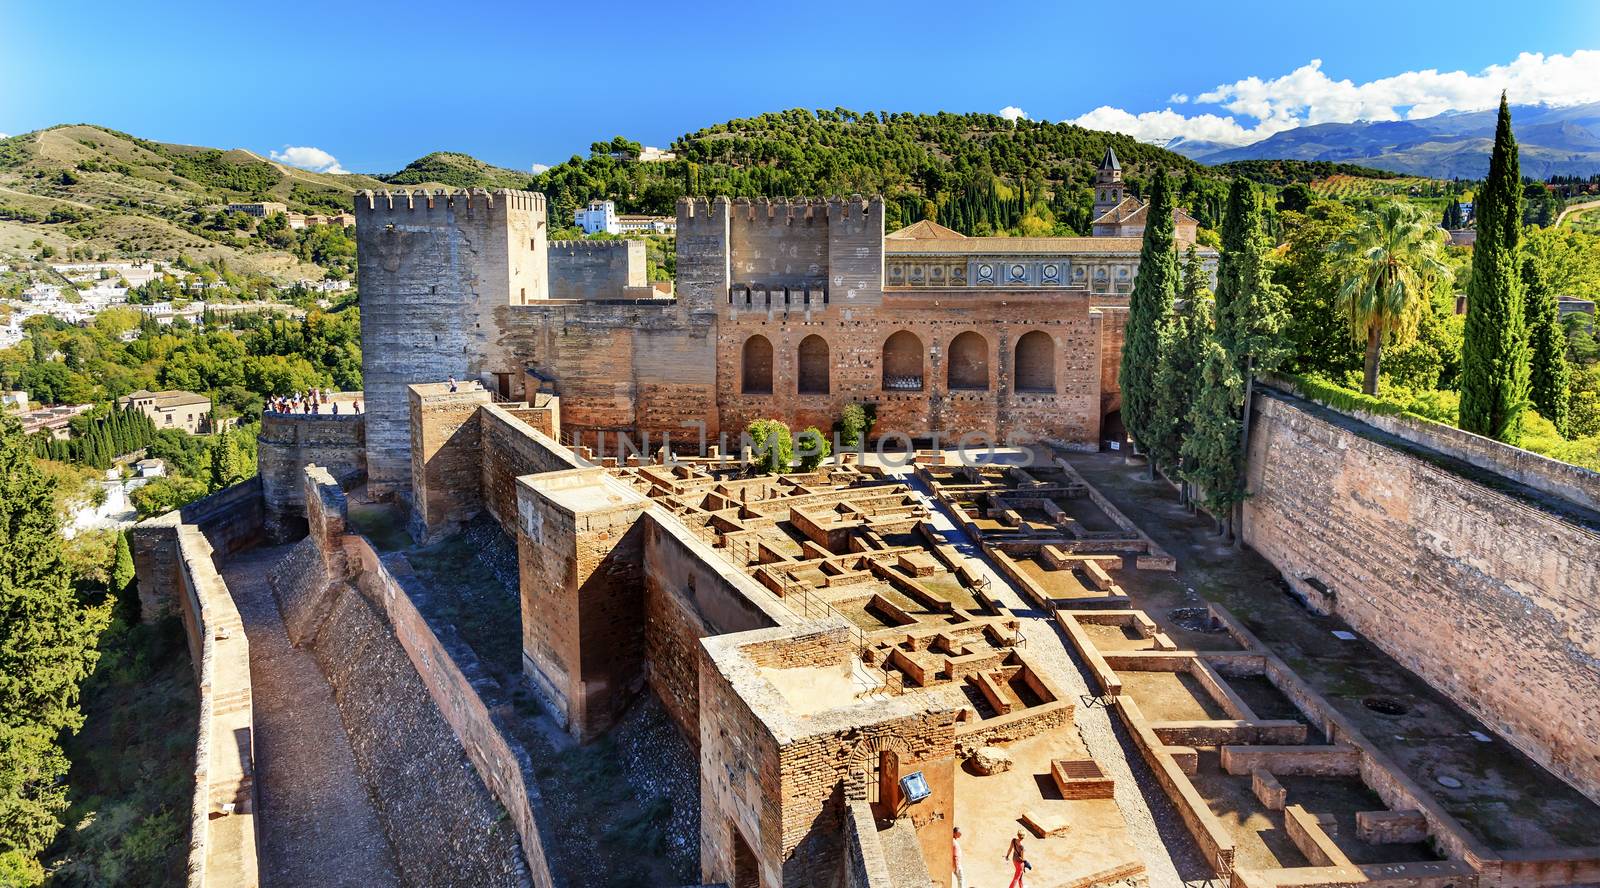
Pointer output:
432, 270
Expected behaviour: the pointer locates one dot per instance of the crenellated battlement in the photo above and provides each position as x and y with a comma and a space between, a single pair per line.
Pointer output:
701, 214
693, 211
779, 211
473, 201
588, 246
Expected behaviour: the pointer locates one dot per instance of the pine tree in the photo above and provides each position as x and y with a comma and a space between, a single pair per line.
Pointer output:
1211, 456
1494, 354
1549, 376
1148, 311
47, 648
1178, 375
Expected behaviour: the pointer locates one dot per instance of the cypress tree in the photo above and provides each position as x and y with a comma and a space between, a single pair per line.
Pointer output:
47, 648
1178, 376
1494, 354
1549, 377
1211, 450
122, 566
1253, 337
1148, 310
1236, 220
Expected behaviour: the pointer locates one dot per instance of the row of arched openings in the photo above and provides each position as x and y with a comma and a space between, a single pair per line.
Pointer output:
904, 362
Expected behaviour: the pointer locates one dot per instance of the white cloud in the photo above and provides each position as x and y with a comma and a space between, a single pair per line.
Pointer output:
1307, 95
4, 136
540, 167
1013, 113
1178, 98
308, 158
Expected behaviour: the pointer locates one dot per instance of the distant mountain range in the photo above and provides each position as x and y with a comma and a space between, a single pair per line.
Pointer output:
1551, 141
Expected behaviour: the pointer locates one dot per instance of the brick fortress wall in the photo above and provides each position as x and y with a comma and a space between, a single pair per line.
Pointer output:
462, 285
1445, 574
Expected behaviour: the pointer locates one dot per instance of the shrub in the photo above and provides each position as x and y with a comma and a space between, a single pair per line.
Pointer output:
772, 447
854, 424
813, 448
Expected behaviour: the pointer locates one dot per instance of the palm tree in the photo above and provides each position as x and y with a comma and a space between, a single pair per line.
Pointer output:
1385, 264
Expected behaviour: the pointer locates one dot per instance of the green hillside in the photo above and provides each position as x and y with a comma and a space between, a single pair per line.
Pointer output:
456, 170
86, 190
975, 172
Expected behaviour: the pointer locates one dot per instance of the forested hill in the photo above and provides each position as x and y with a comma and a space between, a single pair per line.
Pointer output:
979, 173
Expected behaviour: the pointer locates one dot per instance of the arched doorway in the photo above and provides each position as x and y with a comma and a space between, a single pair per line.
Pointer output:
813, 360
1035, 369
967, 363
902, 363
756, 374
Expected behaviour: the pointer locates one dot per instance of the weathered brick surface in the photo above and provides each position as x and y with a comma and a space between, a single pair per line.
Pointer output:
446, 457
692, 593
1444, 574
511, 449
174, 566
580, 549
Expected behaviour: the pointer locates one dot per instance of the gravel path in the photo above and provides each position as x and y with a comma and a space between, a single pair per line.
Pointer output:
315, 823
1170, 855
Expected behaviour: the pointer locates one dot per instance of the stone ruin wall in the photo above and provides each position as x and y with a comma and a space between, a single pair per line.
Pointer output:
419, 710
173, 561
691, 592
620, 366
1444, 574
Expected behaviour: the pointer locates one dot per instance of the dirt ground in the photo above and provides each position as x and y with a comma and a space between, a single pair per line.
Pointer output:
1505, 798
989, 811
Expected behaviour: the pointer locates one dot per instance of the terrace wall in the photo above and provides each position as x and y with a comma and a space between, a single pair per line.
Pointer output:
1443, 572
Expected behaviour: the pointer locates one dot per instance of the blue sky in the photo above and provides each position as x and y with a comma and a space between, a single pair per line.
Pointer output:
374, 85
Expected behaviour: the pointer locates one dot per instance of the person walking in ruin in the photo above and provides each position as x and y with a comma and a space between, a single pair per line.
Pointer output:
1019, 859
452, 385
958, 878
358, 406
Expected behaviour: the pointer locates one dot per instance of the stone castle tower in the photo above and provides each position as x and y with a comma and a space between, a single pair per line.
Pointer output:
432, 270
1108, 186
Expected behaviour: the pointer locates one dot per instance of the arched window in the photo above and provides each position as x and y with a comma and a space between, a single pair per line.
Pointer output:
1036, 363
813, 365
757, 376
902, 362
967, 363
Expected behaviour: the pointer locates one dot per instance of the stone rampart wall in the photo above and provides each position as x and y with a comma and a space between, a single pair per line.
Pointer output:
595, 269
692, 592
420, 711
510, 449
173, 562
287, 444
1565, 480
1443, 573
